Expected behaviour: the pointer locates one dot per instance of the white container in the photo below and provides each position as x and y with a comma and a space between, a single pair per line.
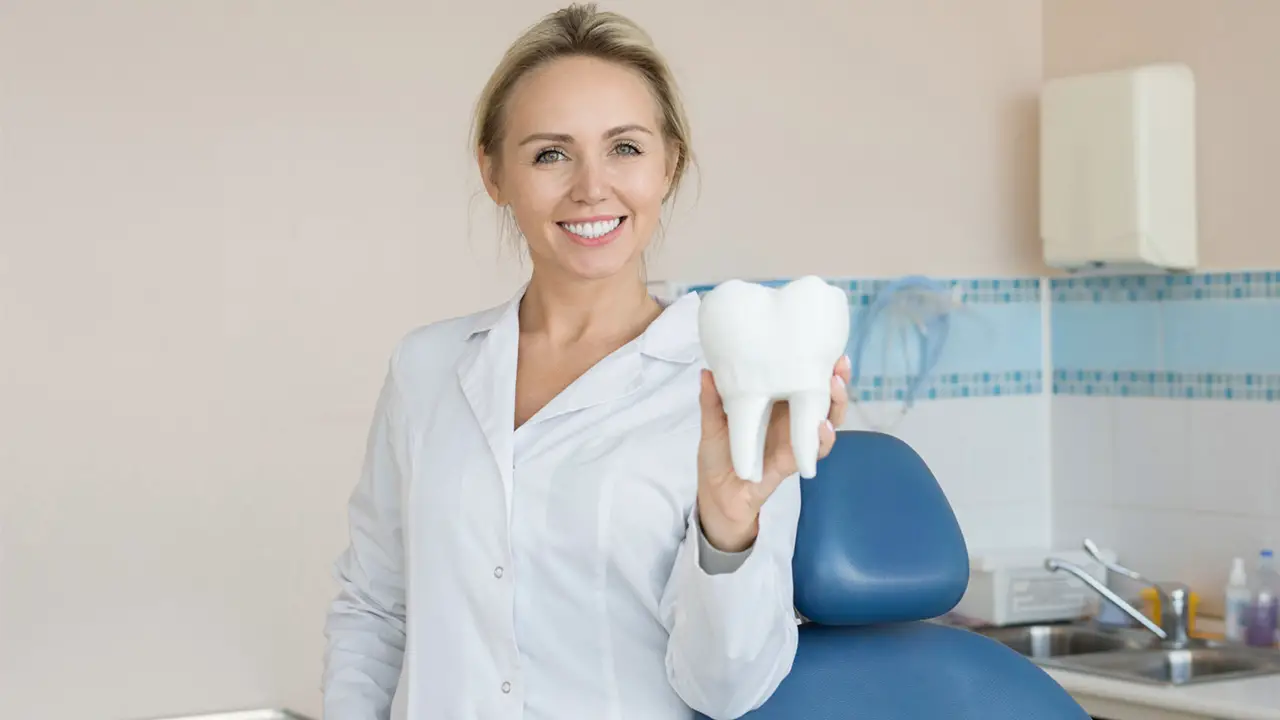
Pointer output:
1236, 602
1014, 588
1118, 169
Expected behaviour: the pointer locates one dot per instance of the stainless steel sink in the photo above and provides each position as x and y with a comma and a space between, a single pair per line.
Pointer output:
1179, 667
1161, 654
1133, 655
1052, 641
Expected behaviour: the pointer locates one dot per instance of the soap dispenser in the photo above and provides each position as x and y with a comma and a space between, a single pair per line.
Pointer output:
1237, 599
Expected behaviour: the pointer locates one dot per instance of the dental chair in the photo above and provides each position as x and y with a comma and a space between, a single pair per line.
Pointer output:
879, 552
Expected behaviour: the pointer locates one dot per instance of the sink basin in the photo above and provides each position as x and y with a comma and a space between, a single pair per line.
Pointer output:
1178, 667
1133, 654
1040, 642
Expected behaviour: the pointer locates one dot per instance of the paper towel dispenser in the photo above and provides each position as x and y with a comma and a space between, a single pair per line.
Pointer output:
1118, 169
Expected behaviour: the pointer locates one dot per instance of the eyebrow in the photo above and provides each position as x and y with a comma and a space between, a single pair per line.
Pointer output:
568, 139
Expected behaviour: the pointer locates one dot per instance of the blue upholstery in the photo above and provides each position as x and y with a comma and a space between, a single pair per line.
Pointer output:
879, 551
877, 541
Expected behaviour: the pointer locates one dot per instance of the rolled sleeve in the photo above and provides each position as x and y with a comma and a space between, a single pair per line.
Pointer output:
714, 561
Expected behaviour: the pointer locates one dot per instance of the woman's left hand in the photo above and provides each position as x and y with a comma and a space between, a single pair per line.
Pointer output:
728, 506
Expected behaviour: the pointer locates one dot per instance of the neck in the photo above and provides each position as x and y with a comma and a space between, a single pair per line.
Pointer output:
569, 312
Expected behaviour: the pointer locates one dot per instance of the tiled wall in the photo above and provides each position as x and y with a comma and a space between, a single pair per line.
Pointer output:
1166, 420
981, 419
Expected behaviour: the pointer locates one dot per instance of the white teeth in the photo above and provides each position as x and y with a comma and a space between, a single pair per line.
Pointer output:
765, 345
592, 230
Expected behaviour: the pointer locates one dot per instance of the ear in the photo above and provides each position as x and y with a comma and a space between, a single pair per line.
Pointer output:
488, 173
673, 156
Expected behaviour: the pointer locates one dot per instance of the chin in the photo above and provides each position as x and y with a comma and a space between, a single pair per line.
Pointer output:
600, 263
598, 270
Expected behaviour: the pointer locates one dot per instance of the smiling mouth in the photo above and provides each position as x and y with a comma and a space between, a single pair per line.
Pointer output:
594, 232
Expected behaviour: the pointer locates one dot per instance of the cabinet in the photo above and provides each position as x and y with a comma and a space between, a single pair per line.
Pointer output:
1118, 169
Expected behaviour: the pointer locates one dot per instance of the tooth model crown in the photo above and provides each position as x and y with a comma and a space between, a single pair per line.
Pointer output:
764, 345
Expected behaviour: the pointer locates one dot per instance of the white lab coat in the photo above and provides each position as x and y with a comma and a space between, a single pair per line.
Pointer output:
553, 572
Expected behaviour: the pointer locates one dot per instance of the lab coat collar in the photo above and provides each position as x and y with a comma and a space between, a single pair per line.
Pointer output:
673, 336
487, 371
487, 320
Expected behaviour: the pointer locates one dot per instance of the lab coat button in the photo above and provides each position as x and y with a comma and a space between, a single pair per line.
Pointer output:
506, 687
497, 572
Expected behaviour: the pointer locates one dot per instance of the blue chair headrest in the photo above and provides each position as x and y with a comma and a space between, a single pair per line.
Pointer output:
877, 540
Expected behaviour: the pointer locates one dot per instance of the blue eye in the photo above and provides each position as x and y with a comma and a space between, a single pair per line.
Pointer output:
627, 148
548, 156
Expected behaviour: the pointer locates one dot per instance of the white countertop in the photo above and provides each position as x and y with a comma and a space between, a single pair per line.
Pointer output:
1255, 698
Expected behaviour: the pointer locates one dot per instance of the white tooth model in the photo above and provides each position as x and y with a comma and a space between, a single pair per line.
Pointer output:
767, 344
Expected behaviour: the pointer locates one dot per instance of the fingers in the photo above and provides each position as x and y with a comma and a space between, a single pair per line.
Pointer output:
839, 401
839, 406
840, 391
844, 368
826, 438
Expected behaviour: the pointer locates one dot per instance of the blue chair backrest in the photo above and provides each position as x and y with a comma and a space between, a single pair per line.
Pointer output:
879, 551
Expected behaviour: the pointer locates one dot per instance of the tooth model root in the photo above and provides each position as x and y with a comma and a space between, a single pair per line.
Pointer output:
808, 411
748, 417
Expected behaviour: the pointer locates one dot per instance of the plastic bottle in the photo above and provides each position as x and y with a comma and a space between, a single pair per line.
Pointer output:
1237, 602
1264, 604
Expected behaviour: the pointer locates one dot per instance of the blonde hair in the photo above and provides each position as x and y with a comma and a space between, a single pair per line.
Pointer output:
581, 30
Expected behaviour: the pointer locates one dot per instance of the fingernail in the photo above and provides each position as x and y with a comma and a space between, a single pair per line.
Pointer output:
839, 382
830, 427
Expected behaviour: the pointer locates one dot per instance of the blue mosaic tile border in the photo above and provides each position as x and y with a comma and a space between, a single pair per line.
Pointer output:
1154, 288
1149, 384
1209, 335
948, 386
968, 290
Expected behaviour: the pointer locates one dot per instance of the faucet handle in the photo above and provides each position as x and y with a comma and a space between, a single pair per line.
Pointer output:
1053, 564
1092, 548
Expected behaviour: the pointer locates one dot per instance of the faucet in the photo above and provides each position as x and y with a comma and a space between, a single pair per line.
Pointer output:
1175, 614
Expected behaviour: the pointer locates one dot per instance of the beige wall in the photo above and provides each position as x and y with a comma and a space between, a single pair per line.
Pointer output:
216, 218
1232, 47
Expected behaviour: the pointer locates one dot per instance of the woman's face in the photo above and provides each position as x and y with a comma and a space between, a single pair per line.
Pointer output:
583, 166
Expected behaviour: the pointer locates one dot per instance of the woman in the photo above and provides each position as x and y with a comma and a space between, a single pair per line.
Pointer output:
548, 526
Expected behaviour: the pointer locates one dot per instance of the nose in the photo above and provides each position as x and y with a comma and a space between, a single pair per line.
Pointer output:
590, 184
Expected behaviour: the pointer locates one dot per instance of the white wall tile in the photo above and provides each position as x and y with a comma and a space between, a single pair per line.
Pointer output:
1150, 450
1234, 457
1073, 522
991, 458
996, 526
1083, 466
